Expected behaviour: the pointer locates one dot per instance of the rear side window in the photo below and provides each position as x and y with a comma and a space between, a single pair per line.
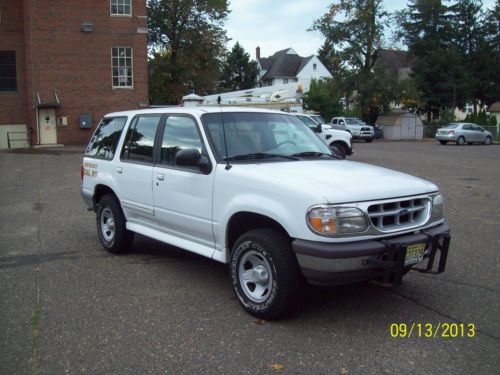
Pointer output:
140, 139
105, 139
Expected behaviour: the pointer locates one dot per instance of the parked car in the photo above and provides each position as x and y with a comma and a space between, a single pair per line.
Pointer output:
257, 190
356, 127
339, 139
462, 133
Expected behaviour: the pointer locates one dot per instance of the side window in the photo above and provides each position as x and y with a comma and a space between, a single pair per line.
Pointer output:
180, 133
140, 140
466, 127
334, 121
341, 122
105, 139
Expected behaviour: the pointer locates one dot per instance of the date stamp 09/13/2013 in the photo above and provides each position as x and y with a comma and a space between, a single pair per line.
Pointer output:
430, 330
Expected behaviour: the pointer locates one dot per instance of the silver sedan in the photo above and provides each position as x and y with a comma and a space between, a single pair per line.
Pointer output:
462, 133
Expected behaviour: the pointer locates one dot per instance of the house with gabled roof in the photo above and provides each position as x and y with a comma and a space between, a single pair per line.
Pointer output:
286, 66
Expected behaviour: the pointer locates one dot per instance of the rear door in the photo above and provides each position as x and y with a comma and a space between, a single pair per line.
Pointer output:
134, 173
183, 195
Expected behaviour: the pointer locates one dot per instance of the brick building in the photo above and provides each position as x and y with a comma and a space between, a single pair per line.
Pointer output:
65, 63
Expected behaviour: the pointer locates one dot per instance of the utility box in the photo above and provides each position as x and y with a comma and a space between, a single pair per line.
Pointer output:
85, 121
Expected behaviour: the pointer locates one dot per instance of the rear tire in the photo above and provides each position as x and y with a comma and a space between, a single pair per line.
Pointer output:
443, 142
488, 141
265, 273
111, 225
460, 141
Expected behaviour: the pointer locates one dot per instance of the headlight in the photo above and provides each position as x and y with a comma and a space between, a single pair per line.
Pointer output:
331, 221
437, 208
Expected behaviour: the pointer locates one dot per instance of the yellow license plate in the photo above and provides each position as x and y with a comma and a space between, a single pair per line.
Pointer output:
414, 253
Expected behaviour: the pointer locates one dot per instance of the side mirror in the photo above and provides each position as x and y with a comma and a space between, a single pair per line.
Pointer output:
191, 157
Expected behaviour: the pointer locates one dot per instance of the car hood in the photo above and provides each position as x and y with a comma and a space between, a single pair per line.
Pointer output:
342, 181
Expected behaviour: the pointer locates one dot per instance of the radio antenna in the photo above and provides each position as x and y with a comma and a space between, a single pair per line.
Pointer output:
228, 166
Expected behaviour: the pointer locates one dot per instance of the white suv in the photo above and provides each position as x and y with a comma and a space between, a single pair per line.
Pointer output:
355, 126
340, 139
258, 190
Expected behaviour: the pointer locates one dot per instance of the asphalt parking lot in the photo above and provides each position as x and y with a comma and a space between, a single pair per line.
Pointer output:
68, 307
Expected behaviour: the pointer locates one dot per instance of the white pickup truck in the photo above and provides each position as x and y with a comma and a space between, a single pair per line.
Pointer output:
340, 139
258, 190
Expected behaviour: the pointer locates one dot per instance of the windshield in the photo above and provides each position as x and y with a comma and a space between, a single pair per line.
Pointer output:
354, 121
318, 119
263, 134
306, 120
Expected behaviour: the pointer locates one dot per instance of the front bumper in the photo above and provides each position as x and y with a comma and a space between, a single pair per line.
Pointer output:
344, 263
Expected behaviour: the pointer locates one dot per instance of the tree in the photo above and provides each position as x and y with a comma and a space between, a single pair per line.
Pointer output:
238, 72
323, 97
187, 40
425, 27
353, 30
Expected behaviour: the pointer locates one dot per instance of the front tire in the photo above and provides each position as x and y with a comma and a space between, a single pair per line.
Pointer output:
460, 141
111, 225
342, 150
264, 273
488, 141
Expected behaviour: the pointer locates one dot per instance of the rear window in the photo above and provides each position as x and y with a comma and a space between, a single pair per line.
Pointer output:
451, 126
103, 143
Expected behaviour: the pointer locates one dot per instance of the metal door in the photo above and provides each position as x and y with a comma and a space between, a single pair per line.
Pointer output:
47, 126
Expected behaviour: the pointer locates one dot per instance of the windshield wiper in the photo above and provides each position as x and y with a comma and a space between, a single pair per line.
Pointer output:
316, 153
260, 155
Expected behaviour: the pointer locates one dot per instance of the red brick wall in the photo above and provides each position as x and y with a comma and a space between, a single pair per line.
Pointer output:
12, 104
77, 65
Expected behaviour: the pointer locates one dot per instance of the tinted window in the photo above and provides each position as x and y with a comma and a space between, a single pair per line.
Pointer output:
334, 121
105, 139
180, 133
141, 139
8, 73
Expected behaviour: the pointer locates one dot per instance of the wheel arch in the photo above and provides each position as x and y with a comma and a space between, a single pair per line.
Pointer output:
101, 190
243, 221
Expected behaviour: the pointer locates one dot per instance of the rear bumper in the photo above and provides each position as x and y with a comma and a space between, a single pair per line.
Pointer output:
446, 137
344, 263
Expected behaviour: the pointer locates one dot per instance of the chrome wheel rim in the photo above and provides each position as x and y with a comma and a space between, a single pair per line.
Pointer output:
488, 140
107, 224
255, 276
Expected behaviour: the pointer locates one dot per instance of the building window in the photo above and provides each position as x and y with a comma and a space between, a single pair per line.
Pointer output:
315, 66
121, 8
122, 66
8, 72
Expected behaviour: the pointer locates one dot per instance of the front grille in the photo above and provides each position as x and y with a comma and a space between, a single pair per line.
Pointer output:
366, 129
399, 215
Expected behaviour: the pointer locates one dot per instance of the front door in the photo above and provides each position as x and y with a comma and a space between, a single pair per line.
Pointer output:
47, 126
183, 195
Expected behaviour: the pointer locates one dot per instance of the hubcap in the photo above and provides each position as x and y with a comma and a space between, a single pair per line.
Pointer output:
255, 277
107, 224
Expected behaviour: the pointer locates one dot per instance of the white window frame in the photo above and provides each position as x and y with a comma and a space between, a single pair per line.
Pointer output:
120, 3
119, 66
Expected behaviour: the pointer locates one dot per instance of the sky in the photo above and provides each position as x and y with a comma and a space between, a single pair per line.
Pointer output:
274, 25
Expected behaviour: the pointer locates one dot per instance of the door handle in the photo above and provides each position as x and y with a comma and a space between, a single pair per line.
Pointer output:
160, 176
119, 170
